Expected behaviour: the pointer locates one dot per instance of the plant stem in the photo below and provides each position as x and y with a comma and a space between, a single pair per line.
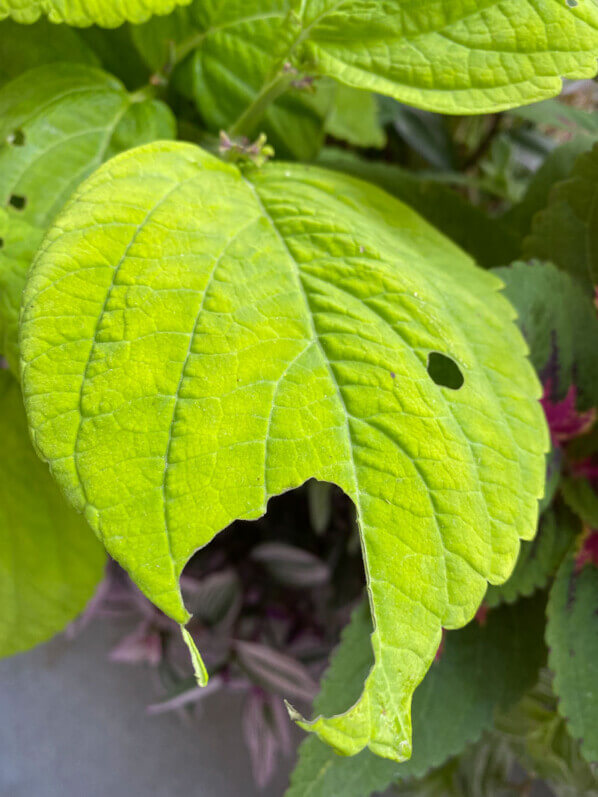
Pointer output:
485, 143
270, 91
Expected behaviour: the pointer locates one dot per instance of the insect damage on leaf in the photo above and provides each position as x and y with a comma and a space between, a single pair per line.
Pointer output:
242, 331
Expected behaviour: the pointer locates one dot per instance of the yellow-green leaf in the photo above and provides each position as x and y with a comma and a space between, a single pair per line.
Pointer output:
50, 560
108, 13
197, 338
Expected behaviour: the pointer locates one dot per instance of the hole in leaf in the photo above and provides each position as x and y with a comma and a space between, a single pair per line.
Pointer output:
271, 578
445, 371
17, 202
17, 138
572, 3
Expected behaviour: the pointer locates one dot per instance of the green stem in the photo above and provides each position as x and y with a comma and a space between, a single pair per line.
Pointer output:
187, 46
247, 122
147, 92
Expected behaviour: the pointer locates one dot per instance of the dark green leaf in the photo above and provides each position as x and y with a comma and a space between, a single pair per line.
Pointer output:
572, 637
486, 240
25, 47
566, 232
540, 558
560, 324
582, 499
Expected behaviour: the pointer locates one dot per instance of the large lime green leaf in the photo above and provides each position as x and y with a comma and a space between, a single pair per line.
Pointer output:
572, 636
108, 13
57, 124
196, 339
50, 561
23, 48
566, 231
480, 669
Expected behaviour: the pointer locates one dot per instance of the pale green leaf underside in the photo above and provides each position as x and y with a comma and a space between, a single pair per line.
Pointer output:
196, 340
50, 561
107, 13
58, 122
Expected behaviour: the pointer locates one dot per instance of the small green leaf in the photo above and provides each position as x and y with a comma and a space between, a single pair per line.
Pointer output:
108, 13
426, 133
354, 118
57, 124
572, 637
199, 668
557, 166
554, 113
319, 501
50, 561
540, 558
196, 339
559, 322
480, 668
538, 736
235, 48
23, 48
117, 54
566, 232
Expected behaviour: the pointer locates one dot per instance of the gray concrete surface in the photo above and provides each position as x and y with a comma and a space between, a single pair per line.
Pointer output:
74, 725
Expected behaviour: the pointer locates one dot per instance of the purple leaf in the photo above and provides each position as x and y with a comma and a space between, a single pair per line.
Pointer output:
262, 735
275, 672
141, 646
291, 566
214, 598
189, 694
563, 418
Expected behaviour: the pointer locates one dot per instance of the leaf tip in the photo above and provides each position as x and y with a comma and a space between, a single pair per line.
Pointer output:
199, 668
294, 714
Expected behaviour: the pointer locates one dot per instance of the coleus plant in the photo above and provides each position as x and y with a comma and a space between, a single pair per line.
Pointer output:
196, 330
